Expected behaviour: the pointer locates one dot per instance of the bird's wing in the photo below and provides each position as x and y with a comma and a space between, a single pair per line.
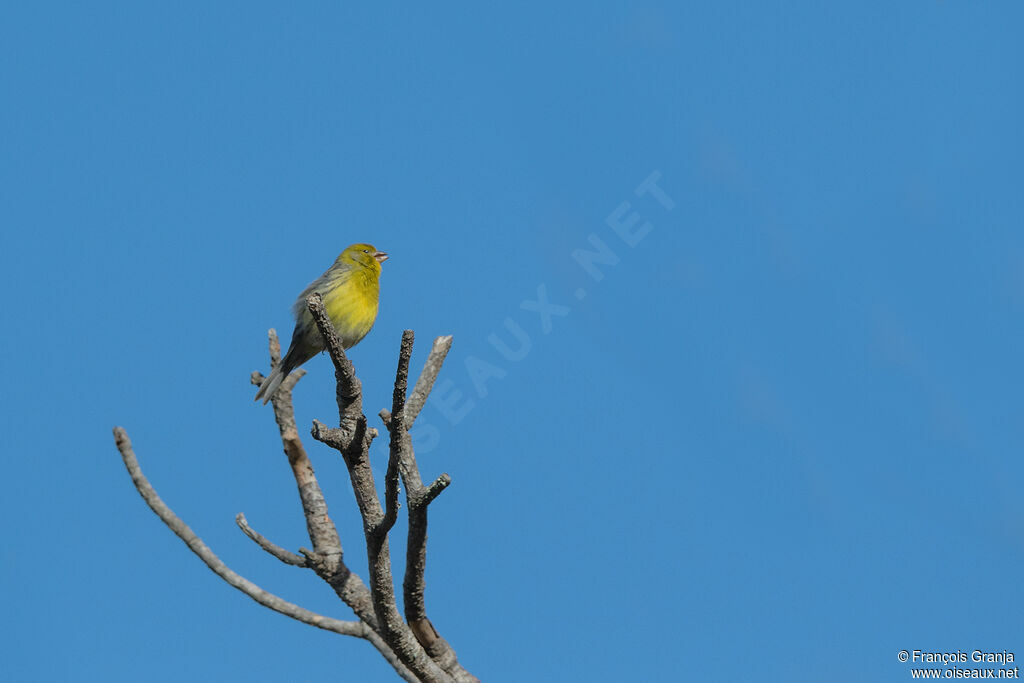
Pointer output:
332, 277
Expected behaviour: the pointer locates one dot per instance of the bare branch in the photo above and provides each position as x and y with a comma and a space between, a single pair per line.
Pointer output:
398, 420
395, 632
291, 380
395, 455
402, 414
352, 440
428, 375
275, 347
277, 551
414, 584
327, 559
196, 545
401, 669
350, 390
416, 554
434, 490
331, 436
377, 641
322, 531
391, 503
415, 649
402, 377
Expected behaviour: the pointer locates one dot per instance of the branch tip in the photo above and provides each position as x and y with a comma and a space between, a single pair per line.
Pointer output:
349, 390
431, 368
275, 347
434, 490
277, 551
412, 646
197, 546
291, 380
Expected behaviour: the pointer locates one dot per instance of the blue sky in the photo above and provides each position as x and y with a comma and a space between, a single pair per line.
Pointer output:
779, 439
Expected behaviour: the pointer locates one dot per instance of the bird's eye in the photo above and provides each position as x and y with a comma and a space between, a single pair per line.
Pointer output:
366, 251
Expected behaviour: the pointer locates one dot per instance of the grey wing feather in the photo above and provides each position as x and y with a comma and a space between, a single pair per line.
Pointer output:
299, 307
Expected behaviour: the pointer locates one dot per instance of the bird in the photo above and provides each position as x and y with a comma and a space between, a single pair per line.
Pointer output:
350, 289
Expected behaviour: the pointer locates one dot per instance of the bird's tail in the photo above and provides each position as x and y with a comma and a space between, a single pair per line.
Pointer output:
299, 351
272, 383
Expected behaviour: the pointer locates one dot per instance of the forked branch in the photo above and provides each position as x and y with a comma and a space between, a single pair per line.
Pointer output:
353, 444
412, 646
196, 545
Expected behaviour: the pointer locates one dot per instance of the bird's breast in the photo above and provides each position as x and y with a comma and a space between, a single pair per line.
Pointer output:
352, 307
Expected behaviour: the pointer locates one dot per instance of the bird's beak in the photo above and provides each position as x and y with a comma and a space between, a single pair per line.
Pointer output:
381, 257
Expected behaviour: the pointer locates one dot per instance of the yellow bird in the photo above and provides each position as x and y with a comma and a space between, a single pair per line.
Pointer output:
350, 289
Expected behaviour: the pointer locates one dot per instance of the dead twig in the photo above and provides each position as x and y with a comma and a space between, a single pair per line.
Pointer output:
196, 545
412, 646
277, 551
352, 441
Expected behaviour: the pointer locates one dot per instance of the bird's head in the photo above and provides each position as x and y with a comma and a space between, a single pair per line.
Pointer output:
363, 256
